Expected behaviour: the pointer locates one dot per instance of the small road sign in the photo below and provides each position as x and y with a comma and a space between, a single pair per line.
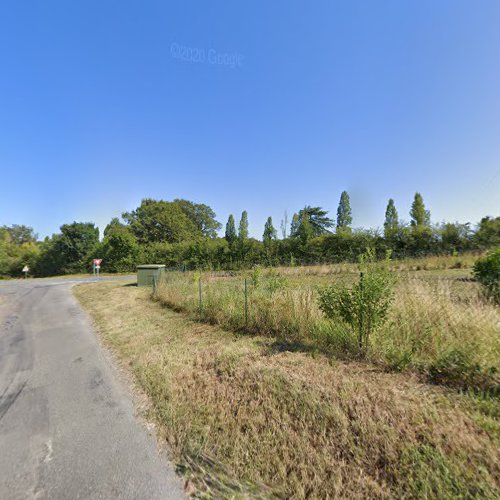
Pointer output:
96, 266
26, 270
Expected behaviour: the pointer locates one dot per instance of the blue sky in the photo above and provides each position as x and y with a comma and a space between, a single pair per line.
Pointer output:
103, 103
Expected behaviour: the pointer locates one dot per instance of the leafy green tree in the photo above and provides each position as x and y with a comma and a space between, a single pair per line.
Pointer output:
391, 223
202, 216
270, 233
294, 228
488, 233
316, 218
243, 227
18, 247
51, 260
344, 213
119, 249
3, 251
422, 238
76, 244
68, 252
455, 236
22, 234
231, 235
158, 221
113, 224
420, 217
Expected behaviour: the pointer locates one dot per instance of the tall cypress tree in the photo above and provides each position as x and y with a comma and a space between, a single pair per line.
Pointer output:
230, 230
391, 222
270, 233
243, 229
305, 231
284, 225
294, 229
344, 213
420, 217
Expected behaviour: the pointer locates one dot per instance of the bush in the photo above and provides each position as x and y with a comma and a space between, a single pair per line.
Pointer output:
256, 276
363, 307
487, 272
276, 282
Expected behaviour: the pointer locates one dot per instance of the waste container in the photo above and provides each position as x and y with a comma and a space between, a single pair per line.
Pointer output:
148, 273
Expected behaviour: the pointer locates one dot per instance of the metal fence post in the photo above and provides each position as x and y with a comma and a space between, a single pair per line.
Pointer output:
199, 290
361, 316
246, 302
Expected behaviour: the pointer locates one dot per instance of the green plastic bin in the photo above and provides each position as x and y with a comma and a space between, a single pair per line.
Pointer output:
148, 273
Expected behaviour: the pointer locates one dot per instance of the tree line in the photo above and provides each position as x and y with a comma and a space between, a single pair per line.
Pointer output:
181, 233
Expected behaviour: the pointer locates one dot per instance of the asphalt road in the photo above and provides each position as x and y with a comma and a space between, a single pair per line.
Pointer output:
67, 424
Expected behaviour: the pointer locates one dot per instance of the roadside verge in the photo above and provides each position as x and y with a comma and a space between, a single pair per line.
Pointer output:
243, 418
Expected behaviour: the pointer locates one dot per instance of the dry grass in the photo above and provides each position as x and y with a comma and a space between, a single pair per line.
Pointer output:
239, 414
430, 263
434, 330
435, 327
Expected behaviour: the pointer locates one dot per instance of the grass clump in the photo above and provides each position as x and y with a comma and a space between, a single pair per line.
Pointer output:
430, 474
452, 342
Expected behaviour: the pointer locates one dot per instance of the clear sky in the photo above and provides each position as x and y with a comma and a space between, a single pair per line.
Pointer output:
261, 105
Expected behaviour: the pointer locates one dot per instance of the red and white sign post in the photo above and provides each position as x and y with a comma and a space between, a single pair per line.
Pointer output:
96, 266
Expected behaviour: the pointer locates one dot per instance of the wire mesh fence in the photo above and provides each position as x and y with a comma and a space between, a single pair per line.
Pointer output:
428, 321
243, 296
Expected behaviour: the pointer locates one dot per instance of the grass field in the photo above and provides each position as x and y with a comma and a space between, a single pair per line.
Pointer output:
439, 325
262, 416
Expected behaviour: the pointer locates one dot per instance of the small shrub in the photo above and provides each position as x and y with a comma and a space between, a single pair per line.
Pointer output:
365, 306
487, 272
256, 276
276, 282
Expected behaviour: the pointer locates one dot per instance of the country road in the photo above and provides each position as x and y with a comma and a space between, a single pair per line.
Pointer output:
67, 424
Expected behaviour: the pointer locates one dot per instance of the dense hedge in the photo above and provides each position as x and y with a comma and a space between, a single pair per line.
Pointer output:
124, 245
